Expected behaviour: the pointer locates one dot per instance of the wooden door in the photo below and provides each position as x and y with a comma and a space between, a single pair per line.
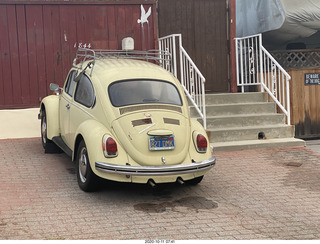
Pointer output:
203, 25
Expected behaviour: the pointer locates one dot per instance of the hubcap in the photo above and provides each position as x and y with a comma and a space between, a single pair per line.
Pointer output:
83, 164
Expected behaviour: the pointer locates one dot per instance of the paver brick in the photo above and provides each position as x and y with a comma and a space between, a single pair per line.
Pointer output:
252, 194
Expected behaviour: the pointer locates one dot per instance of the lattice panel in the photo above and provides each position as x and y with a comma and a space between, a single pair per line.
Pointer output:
297, 58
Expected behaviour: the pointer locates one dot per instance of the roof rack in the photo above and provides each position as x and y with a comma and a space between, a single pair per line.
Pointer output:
162, 58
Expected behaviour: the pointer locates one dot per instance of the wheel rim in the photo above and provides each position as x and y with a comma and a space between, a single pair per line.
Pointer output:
83, 164
44, 130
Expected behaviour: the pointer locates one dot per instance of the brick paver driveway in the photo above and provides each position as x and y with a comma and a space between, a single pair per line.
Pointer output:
254, 194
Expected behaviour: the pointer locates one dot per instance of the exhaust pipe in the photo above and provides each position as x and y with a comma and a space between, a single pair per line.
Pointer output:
152, 183
180, 181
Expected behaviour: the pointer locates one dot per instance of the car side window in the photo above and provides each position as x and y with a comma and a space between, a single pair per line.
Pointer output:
70, 83
85, 92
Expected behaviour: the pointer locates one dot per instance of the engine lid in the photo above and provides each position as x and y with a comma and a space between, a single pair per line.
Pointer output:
148, 139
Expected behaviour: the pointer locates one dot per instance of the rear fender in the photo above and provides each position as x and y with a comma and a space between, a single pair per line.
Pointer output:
196, 127
50, 105
92, 132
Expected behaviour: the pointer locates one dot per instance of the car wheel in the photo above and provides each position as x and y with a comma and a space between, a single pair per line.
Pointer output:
87, 180
44, 138
194, 181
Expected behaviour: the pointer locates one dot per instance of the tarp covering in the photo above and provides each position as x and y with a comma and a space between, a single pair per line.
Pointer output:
258, 16
284, 20
302, 20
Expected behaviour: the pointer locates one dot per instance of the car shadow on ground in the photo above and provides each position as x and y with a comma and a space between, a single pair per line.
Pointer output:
160, 190
162, 198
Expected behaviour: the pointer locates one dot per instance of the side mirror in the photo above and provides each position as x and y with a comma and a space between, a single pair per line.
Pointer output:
55, 88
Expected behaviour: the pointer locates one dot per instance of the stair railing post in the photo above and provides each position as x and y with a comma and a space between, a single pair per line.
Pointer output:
237, 60
181, 61
241, 70
261, 63
174, 56
288, 101
204, 106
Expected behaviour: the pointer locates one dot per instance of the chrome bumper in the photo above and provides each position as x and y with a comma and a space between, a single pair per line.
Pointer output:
156, 170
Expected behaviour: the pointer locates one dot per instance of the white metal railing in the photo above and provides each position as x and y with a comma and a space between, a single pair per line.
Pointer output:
186, 71
168, 44
256, 66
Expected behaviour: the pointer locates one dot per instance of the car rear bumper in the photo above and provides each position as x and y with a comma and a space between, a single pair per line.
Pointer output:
156, 170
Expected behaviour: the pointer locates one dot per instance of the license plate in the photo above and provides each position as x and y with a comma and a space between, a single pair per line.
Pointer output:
161, 143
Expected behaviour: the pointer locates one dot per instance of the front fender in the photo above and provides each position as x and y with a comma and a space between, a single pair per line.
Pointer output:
92, 133
51, 106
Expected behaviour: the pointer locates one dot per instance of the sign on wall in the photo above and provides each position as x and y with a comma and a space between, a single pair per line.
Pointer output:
312, 78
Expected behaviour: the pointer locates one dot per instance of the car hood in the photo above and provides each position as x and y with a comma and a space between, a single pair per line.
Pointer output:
134, 130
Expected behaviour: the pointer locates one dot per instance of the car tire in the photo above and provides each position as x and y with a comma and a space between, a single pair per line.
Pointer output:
48, 145
194, 181
44, 138
87, 180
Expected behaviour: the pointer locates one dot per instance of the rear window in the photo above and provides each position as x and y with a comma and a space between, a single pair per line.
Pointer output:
131, 92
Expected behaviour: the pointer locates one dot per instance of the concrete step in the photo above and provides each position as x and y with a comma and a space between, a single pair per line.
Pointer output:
244, 120
256, 144
230, 98
250, 133
236, 121
238, 108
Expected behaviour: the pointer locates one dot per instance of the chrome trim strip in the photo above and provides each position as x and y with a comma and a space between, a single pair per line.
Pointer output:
156, 170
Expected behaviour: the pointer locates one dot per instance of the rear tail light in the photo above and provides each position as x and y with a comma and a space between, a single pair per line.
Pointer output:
201, 143
109, 147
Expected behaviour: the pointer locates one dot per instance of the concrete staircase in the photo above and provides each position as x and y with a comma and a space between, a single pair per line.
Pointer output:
238, 121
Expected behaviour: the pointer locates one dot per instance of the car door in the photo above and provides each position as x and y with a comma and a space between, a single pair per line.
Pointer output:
65, 107
84, 101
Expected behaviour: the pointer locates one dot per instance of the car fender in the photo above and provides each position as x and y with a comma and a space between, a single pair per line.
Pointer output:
51, 106
196, 127
92, 132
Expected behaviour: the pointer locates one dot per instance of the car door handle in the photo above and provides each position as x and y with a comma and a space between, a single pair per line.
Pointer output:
68, 106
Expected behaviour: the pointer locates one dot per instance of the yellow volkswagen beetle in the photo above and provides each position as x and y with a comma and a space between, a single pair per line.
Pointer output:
125, 120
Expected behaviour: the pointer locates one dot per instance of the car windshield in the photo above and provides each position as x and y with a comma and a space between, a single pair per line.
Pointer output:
130, 92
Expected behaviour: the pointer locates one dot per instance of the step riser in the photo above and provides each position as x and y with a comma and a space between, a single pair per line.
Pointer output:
236, 98
235, 109
250, 134
259, 120
288, 142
